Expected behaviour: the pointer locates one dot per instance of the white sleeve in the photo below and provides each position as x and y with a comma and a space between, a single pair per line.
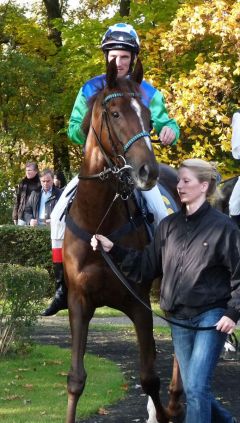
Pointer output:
236, 135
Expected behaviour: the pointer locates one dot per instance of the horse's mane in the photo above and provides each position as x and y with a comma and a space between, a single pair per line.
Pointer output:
124, 85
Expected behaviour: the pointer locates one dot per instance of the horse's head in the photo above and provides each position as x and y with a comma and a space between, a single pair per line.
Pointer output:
120, 126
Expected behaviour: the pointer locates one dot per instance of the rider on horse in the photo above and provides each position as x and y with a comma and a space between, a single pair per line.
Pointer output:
121, 43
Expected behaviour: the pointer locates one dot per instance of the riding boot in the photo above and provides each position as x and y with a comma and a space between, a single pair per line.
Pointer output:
236, 219
59, 301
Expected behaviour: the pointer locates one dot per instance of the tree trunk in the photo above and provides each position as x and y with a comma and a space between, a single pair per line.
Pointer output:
61, 160
124, 8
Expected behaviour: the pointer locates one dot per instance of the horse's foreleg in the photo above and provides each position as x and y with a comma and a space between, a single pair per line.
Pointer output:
149, 379
175, 407
77, 374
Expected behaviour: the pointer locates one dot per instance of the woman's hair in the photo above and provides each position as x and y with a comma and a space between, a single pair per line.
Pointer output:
204, 171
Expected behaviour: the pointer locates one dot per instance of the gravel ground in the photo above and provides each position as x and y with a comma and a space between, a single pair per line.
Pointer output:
121, 347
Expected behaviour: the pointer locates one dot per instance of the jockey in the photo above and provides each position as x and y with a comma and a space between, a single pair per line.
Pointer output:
234, 201
121, 43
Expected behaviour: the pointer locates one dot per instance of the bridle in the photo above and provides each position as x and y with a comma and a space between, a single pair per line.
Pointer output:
135, 137
117, 165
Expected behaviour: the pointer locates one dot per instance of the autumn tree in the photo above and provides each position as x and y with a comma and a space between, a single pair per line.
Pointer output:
197, 66
189, 51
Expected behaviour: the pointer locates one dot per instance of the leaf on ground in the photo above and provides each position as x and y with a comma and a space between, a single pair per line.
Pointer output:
62, 374
22, 370
28, 386
61, 393
18, 377
102, 411
27, 401
53, 362
11, 397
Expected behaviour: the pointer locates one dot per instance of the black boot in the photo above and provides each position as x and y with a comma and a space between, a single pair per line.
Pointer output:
59, 301
236, 219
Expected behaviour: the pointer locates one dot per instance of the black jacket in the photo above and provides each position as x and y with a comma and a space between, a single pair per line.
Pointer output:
23, 193
32, 208
198, 258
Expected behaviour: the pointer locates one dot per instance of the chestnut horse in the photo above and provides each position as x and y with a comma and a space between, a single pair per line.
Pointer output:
118, 157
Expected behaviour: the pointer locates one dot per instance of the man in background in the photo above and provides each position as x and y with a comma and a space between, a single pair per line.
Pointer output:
30, 183
41, 203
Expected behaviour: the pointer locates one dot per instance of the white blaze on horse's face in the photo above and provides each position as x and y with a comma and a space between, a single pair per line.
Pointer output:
136, 106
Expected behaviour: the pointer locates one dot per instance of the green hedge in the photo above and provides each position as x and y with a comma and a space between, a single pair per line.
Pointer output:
25, 245
22, 290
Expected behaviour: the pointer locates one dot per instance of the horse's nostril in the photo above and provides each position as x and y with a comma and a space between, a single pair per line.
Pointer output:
147, 173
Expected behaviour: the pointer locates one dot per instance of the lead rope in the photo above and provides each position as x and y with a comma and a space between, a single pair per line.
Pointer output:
109, 208
125, 282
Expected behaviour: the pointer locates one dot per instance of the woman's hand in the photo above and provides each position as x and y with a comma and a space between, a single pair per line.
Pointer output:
226, 325
106, 243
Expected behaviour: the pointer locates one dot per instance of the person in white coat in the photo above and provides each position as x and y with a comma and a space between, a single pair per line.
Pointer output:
234, 201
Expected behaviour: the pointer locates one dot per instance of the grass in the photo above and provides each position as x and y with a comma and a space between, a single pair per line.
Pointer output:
33, 387
111, 312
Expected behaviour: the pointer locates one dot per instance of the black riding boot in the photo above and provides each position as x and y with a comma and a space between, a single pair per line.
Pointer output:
59, 301
236, 219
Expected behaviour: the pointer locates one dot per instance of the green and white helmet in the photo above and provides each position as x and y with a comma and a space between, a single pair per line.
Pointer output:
121, 36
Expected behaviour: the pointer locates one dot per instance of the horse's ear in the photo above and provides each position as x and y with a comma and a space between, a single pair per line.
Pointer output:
137, 74
111, 76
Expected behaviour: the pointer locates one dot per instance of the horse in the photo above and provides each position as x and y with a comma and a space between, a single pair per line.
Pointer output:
225, 188
118, 157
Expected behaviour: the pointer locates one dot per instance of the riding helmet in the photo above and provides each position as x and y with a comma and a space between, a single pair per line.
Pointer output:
121, 36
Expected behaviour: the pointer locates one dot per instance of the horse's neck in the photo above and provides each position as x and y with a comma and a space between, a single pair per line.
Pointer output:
92, 201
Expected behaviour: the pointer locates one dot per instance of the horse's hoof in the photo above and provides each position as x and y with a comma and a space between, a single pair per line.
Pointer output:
152, 413
178, 419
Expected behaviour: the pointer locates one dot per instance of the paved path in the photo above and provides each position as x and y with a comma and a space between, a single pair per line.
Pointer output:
120, 346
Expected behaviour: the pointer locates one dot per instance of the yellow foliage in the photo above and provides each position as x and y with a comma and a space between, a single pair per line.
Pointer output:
196, 64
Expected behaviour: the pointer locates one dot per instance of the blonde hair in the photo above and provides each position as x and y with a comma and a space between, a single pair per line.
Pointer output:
204, 171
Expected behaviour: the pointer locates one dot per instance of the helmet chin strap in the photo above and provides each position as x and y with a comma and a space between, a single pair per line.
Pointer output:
133, 58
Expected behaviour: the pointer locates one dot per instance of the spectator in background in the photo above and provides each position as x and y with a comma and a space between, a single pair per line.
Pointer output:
41, 203
59, 179
234, 201
30, 183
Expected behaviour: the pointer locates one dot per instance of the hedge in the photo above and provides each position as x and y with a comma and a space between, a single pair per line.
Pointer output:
25, 245
22, 290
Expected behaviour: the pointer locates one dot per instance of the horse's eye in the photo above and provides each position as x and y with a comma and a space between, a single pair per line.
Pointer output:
115, 115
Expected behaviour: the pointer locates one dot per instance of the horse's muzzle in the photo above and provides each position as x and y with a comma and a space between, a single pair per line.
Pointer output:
145, 177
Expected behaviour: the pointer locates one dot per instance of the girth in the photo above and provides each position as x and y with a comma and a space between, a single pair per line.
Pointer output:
85, 236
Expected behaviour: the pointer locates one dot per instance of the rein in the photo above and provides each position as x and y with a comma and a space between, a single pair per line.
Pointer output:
125, 282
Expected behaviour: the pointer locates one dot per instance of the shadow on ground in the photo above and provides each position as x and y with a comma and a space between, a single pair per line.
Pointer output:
120, 347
